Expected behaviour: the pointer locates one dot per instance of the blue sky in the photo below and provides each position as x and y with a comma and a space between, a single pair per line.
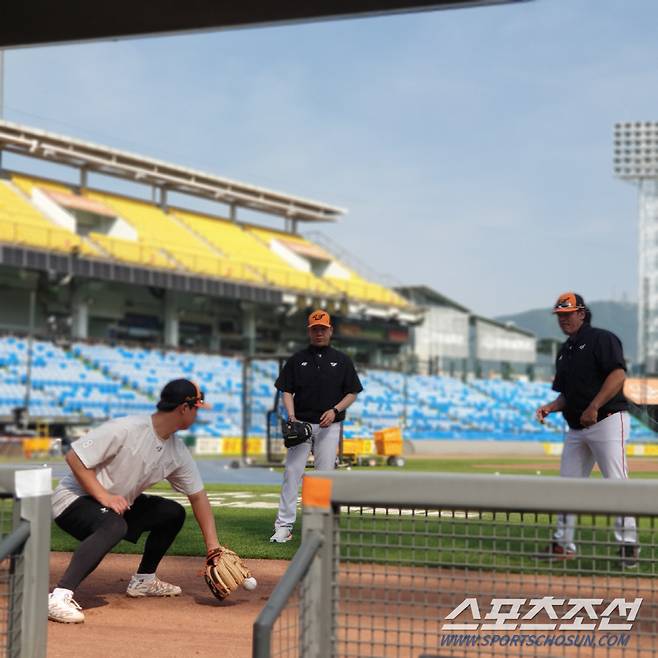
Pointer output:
472, 148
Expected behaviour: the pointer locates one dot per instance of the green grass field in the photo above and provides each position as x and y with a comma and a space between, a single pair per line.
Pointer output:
247, 529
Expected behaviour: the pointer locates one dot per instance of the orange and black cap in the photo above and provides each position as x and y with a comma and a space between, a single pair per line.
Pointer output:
568, 303
181, 391
319, 317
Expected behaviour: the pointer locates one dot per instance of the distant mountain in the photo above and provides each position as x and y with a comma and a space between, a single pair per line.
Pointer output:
618, 317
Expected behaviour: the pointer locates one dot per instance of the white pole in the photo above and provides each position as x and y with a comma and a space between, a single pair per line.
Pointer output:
2, 82
2, 92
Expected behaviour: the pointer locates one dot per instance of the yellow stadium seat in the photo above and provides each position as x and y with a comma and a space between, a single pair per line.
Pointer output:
353, 286
26, 184
31, 228
241, 246
132, 252
181, 240
164, 232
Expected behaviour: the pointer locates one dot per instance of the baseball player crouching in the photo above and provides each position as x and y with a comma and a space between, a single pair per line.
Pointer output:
589, 376
101, 501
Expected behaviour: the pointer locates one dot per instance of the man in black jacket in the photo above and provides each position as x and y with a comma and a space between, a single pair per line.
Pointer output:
590, 370
318, 384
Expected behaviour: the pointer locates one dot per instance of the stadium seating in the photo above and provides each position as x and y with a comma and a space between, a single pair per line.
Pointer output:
132, 252
441, 407
26, 184
180, 240
159, 230
353, 285
101, 381
123, 250
149, 370
21, 223
241, 246
61, 384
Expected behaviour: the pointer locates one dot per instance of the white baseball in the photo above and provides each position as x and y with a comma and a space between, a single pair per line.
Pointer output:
250, 583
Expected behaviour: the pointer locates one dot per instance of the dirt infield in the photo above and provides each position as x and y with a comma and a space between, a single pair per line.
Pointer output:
386, 610
193, 624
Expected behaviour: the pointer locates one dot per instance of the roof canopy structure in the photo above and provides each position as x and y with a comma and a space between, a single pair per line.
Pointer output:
426, 296
88, 157
42, 21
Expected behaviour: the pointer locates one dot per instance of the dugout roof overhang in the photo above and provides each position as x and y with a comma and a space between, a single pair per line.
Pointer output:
41, 22
89, 157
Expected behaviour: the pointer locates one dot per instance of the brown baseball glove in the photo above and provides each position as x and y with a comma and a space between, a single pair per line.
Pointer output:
224, 572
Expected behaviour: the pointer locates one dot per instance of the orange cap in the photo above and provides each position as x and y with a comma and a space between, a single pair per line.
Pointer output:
319, 317
568, 303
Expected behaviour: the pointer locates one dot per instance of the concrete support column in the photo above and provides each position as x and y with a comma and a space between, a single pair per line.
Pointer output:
79, 314
215, 338
249, 327
80, 320
170, 320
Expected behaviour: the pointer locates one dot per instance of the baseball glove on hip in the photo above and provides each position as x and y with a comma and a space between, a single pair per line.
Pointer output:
295, 432
224, 572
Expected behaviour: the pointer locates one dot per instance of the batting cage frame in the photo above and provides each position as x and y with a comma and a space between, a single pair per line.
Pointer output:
272, 449
275, 452
25, 519
435, 565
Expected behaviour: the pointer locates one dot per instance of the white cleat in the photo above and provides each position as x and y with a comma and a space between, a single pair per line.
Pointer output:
138, 587
64, 609
281, 536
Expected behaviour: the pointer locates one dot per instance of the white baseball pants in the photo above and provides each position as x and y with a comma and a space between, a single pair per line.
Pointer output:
324, 444
605, 444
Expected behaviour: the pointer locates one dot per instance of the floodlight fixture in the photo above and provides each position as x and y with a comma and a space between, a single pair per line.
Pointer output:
636, 150
636, 161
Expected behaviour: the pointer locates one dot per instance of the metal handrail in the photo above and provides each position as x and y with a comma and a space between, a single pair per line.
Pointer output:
262, 632
15, 540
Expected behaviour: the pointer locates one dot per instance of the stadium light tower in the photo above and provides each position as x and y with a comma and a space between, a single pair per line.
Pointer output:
636, 161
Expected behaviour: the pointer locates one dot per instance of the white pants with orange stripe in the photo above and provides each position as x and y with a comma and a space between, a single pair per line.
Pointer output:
605, 444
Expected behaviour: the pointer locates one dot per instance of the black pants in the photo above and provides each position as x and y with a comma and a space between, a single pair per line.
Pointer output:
99, 529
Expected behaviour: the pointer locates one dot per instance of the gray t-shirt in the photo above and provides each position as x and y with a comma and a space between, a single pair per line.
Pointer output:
129, 457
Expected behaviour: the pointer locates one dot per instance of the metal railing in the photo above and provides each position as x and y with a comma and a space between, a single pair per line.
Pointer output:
284, 609
25, 514
457, 565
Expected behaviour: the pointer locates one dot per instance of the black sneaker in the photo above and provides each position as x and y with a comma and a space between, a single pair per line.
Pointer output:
629, 555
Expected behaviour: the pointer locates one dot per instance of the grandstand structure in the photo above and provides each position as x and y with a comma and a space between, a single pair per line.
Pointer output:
90, 382
151, 268
107, 295
85, 383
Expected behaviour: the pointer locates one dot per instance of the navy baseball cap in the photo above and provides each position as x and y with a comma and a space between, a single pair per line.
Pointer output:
181, 391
